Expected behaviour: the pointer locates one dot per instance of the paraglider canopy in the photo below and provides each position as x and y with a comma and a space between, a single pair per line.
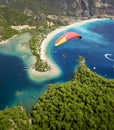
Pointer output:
67, 36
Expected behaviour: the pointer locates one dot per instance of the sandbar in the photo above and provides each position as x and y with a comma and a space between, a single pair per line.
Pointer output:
54, 71
6, 41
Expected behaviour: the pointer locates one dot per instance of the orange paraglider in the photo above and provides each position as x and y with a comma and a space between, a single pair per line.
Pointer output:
67, 36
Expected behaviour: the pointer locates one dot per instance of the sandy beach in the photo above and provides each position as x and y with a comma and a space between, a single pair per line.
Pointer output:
5, 41
55, 71
54, 33
19, 28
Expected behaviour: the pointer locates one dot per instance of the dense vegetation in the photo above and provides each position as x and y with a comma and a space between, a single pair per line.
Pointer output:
14, 119
44, 25
10, 17
38, 36
81, 59
43, 28
86, 102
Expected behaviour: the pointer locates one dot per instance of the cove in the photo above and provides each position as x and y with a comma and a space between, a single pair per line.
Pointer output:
15, 57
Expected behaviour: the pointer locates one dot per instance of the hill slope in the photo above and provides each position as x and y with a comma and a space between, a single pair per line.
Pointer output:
76, 8
82, 104
10, 17
87, 102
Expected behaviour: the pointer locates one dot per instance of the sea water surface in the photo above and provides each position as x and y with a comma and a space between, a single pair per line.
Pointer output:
96, 46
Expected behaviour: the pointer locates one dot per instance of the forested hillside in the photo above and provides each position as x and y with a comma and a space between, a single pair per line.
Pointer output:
10, 17
41, 27
84, 103
14, 119
76, 8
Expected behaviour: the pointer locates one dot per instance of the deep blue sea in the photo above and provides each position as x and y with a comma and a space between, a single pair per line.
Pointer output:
96, 45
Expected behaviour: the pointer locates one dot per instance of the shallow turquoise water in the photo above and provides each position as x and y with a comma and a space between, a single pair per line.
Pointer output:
15, 57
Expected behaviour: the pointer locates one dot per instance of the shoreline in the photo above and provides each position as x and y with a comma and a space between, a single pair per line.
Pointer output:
18, 28
6, 41
54, 71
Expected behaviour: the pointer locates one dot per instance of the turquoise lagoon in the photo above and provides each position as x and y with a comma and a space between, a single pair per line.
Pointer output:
96, 45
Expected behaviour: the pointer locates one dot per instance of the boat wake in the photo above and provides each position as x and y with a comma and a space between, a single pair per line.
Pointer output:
107, 56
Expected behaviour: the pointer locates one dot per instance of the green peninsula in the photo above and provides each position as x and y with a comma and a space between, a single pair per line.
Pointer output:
86, 102
13, 22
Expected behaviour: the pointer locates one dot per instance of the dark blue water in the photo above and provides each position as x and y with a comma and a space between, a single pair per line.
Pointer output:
12, 78
97, 40
16, 88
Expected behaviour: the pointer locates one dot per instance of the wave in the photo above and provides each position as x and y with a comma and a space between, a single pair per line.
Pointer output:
107, 56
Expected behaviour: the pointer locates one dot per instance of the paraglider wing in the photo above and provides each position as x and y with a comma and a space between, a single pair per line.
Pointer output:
67, 36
